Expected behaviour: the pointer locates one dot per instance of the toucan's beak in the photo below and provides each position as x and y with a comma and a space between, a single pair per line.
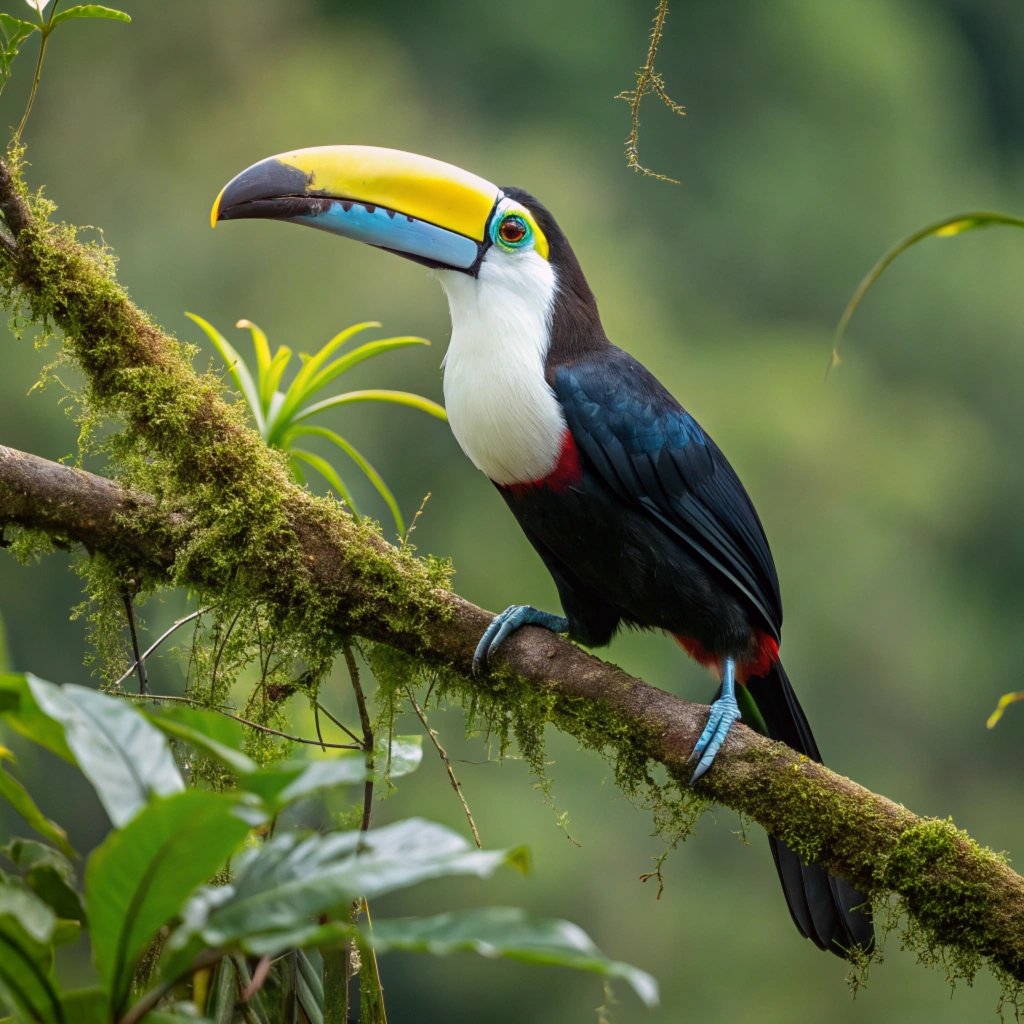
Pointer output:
418, 207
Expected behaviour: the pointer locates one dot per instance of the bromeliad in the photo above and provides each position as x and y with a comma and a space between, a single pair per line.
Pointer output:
635, 512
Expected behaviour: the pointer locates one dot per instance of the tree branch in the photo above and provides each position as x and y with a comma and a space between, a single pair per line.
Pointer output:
299, 555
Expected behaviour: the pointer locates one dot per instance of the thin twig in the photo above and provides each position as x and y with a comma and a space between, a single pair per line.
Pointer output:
648, 80
223, 709
442, 753
341, 725
159, 640
140, 662
364, 720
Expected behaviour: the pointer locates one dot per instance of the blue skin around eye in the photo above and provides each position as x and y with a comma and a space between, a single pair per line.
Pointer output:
383, 227
496, 238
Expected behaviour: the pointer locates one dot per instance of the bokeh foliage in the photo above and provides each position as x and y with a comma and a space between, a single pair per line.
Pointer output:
816, 133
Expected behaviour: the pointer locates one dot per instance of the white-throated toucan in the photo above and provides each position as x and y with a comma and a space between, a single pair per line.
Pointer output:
633, 509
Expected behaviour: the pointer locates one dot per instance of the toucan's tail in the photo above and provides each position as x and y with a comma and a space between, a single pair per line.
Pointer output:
826, 910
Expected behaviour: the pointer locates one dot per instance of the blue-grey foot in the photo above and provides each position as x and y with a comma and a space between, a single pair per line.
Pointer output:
724, 712
512, 618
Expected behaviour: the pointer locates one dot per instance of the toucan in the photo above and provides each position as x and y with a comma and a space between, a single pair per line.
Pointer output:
633, 509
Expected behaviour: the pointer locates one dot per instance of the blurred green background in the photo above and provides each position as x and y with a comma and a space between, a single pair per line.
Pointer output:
818, 131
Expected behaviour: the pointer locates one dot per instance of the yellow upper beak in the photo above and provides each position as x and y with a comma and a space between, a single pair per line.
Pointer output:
413, 204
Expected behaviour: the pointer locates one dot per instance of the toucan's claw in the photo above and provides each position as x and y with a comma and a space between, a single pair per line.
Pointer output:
512, 618
724, 712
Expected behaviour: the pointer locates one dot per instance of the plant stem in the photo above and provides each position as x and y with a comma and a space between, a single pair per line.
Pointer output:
44, 35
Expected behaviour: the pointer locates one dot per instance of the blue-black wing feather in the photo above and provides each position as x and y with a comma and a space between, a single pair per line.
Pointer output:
653, 454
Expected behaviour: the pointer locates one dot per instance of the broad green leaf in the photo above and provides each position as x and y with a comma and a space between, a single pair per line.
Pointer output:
299, 390
375, 395
327, 471
49, 874
309, 983
15, 30
27, 927
217, 735
371, 474
236, 367
508, 932
282, 890
1004, 702
365, 351
287, 782
86, 1006
401, 757
90, 11
126, 759
18, 797
21, 712
945, 228
139, 877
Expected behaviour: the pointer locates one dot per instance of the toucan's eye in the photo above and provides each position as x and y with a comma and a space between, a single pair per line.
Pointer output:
512, 231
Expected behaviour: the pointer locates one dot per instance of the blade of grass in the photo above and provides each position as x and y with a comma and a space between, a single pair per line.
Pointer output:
945, 228
327, 471
375, 395
299, 391
372, 475
236, 366
358, 355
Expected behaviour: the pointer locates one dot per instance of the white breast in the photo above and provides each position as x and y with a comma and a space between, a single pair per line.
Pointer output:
500, 407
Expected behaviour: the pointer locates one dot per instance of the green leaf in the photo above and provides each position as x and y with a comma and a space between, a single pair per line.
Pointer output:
945, 228
86, 1006
90, 11
23, 714
1004, 702
18, 797
283, 889
300, 390
27, 927
375, 395
15, 30
327, 471
216, 735
356, 356
5, 665
140, 876
372, 475
286, 783
49, 874
125, 758
508, 932
236, 367
402, 756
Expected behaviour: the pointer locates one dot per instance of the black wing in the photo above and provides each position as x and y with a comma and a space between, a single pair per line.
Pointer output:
650, 451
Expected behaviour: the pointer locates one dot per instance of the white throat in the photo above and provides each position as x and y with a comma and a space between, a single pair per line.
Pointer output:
500, 408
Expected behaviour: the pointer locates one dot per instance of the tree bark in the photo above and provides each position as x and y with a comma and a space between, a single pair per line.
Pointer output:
962, 895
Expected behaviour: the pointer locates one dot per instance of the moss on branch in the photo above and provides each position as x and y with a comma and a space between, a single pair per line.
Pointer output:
201, 502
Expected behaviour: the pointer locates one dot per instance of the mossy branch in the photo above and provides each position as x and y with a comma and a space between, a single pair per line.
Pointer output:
216, 511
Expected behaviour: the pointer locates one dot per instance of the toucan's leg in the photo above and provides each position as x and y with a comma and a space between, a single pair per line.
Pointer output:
724, 712
512, 618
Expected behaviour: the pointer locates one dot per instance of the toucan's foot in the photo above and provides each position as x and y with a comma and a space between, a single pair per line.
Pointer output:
724, 712
512, 618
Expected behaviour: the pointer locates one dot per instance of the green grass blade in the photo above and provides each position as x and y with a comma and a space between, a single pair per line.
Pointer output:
299, 389
236, 366
260, 345
945, 228
327, 471
371, 474
356, 356
375, 395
